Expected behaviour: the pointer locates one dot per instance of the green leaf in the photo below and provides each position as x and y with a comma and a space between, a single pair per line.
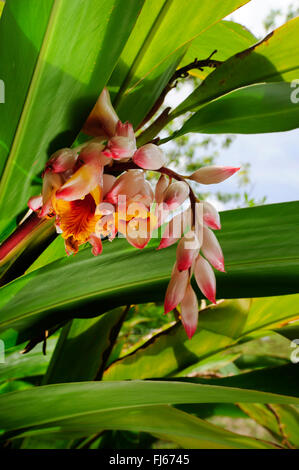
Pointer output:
261, 253
84, 408
14, 386
93, 338
1, 7
250, 110
279, 380
226, 37
164, 422
291, 331
171, 353
20, 366
259, 361
280, 420
145, 67
55, 58
274, 59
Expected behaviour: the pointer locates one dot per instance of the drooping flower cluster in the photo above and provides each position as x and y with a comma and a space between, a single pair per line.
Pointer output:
99, 190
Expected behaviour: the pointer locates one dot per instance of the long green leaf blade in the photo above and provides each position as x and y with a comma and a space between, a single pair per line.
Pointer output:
250, 110
60, 56
61, 407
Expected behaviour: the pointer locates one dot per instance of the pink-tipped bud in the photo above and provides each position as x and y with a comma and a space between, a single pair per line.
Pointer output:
189, 311
211, 216
211, 249
187, 251
149, 157
213, 174
35, 203
61, 161
205, 278
125, 130
120, 147
103, 119
176, 289
176, 194
161, 187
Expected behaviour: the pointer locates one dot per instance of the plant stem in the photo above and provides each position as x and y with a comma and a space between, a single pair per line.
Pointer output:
19, 236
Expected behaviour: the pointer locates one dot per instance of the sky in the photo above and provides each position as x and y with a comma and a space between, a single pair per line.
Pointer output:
274, 157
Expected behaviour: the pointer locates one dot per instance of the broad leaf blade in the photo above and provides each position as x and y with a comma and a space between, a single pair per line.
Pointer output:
145, 67
20, 366
83, 348
280, 420
60, 407
171, 351
250, 110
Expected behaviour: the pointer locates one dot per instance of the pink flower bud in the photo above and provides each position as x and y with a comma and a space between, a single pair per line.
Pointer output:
120, 147
103, 119
213, 174
149, 157
189, 311
61, 161
125, 130
205, 278
161, 187
211, 249
176, 194
187, 251
210, 216
176, 289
